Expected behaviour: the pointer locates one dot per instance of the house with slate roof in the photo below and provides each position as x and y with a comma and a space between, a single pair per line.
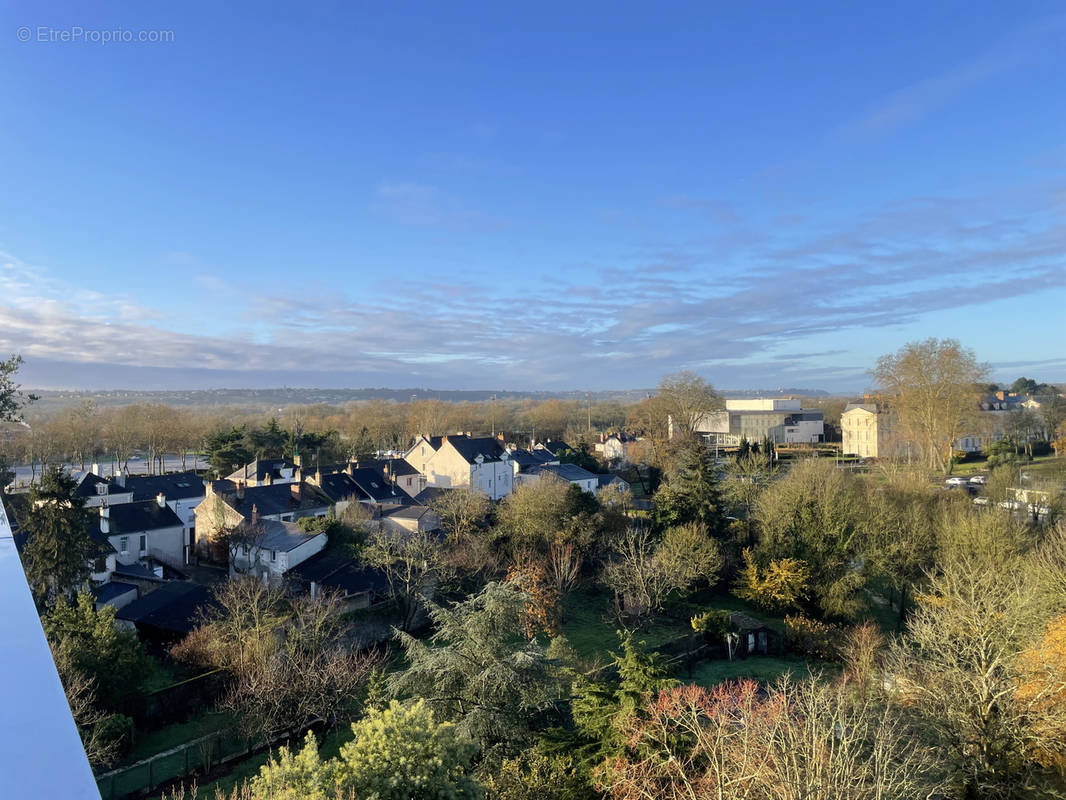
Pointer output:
97, 491
278, 547
566, 473
167, 614
478, 463
265, 471
227, 505
359, 586
140, 531
181, 491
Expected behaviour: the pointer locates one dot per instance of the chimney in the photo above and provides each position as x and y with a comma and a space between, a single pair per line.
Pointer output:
120, 479
94, 468
298, 475
105, 519
499, 436
255, 514
348, 468
297, 459
161, 499
296, 490
209, 487
240, 490
268, 478
318, 477
444, 440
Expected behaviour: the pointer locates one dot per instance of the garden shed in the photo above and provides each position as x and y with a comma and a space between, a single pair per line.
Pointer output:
754, 637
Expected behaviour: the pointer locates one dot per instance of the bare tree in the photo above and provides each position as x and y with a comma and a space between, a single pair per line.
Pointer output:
932, 386
460, 511
687, 399
413, 564
645, 569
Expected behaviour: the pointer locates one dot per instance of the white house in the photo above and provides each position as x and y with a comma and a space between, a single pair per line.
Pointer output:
280, 547
139, 531
481, 464
567, 473
97, 491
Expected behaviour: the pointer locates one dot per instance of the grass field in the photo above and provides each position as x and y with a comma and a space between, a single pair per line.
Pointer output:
763, 669
152, 742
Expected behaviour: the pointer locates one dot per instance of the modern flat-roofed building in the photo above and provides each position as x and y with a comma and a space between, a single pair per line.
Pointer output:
782, 420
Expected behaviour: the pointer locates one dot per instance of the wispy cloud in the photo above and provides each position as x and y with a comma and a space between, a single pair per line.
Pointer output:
736, 314
1021, 48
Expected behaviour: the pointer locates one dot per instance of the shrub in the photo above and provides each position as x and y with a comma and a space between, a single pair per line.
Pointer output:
781, 586
116, 730
813, 638
713, 624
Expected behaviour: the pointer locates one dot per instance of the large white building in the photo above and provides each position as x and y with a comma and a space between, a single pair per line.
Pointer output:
782, 420
478, 463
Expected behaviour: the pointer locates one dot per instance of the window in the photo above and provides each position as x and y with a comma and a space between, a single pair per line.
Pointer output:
273, 555
144, 543
245, 548
100, 565
124, 544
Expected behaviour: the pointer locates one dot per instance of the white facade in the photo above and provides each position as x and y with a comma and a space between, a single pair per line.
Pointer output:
448, 469
763, 404
275, 563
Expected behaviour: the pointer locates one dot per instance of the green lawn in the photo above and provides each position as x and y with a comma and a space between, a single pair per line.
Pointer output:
151, 742
589, 628
763, 669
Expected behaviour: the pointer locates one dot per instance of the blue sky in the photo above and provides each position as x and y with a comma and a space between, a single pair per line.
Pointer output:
543, 196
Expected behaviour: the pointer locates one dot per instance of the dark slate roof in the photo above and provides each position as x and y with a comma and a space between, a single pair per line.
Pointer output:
354, 578
396, 467
376, 486
87, 487
127, 518
176, 486
284, 536
112, 589
428, 495
406, 512
338, 486
258, 470
277, 498
321, 565
568, 472
335, 570
470, 448
174, 607
554, 447
745, 622
139, 571
524, 458
607, 480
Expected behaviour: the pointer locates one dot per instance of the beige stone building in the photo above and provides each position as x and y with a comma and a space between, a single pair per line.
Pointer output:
867, 431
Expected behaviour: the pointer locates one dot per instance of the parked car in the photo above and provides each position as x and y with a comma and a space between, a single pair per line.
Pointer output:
956, 481
979, 480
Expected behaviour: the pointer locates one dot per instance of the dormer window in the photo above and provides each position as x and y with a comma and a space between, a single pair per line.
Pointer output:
101, 488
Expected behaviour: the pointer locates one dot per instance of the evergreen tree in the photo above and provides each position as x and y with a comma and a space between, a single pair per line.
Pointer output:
691, 492
58, 546
481, 670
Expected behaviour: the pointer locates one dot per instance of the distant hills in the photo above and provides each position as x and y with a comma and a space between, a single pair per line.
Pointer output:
283, 396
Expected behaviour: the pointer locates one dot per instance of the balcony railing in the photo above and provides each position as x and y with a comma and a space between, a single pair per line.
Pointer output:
40, 751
